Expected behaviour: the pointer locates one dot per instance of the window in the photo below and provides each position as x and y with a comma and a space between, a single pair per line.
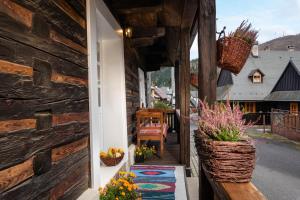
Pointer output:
249, 107
256, 78
294, 108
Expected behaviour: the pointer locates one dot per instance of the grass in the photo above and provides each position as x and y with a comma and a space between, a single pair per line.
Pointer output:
274, 137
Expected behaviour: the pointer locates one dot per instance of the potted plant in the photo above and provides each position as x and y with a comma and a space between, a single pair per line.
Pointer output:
226, 152
122, 188
143, 153
112, 157
234, 50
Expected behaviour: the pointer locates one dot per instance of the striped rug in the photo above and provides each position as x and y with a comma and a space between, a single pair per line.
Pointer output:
155, 182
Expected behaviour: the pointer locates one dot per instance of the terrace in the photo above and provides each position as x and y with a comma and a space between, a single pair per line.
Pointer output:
71, 89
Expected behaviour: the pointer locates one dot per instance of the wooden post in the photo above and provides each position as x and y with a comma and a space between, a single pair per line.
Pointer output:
184, 73
177, 94
177, 100
207, 70
207, 65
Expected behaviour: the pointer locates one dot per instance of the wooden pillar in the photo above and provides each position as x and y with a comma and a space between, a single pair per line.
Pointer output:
177, 94
177, 100
207, 64
207, 71
184, 88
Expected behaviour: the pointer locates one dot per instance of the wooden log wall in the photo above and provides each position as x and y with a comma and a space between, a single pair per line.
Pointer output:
132, 88
44, 116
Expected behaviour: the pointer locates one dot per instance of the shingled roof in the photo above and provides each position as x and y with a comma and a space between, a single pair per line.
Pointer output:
271, 63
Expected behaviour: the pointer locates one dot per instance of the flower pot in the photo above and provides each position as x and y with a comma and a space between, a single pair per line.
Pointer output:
112, 161
232, 53
226, 161
139, 159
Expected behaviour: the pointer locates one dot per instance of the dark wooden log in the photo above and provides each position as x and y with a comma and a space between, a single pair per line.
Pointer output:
14, 68
126, 7
17, 125
79, 6
60, 20
42, 162
41, 185
18, 146
70, 181
68, 9
66, 118
17, 12
21, 109
14, 175
15, 30
207, 66
61, 152
42, 73
18, 53
142, 42
65, 41
184, 73
141, 32
77, 189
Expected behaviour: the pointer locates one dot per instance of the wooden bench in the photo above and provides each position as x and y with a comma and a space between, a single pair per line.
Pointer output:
151, 126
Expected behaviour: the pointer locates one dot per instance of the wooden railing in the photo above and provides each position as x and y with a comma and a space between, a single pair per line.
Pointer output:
286, 124
170, 118
212, 190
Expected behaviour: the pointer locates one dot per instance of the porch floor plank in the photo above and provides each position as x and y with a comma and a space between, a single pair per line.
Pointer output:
171, 153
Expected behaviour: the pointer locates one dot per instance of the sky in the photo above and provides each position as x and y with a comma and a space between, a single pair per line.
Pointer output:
272, 18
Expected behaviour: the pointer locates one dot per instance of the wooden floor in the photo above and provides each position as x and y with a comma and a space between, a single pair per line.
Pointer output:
171, 153
171, 156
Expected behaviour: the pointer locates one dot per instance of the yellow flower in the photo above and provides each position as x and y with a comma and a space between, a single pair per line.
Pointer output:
123, 193
117, 198
135, 186
121, 188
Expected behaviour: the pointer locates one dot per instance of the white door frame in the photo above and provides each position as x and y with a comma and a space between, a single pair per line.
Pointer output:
94, 7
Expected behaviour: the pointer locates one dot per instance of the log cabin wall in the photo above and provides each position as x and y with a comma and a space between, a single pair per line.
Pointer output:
132, 88
44, 116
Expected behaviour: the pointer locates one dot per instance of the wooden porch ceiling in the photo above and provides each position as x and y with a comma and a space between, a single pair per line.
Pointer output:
156, 26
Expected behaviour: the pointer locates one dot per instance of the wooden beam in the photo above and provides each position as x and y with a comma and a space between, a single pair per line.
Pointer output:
142, 42
140, 32
184, 75
137, 6
189, 13
207, 66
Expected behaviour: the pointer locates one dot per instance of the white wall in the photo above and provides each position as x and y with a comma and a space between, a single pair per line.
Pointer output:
142, 87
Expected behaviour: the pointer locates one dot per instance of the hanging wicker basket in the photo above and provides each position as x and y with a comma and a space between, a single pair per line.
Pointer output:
232, 53
226, 161
112, 161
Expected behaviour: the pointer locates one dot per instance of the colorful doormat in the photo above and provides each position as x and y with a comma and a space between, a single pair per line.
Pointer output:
155, 182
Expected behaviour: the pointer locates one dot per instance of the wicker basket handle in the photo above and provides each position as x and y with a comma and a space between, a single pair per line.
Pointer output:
222, 33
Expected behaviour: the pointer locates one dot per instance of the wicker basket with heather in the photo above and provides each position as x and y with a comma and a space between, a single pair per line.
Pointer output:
233, 50
226, 152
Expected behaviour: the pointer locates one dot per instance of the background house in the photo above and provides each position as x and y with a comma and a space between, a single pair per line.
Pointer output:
269, 79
